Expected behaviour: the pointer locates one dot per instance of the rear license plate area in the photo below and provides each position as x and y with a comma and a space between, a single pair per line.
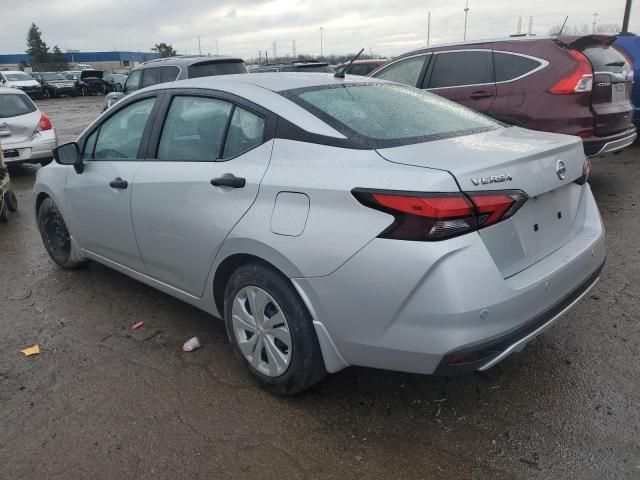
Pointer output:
619, 93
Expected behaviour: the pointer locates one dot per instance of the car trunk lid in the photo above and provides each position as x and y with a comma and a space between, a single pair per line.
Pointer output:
612, 83
543, 166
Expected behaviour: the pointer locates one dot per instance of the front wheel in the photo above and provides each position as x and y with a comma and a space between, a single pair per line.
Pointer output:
271, 331
56, 238
11, 200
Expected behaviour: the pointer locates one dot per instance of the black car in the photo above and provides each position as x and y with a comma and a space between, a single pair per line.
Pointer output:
114, 82
91, 83
55, 84
294, 67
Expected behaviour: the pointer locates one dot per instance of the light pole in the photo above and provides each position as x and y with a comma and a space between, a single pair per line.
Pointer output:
466, 14
321, 46
627, 14
428, 29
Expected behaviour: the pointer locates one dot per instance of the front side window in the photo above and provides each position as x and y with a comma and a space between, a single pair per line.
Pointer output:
194, 129
406, 71
133, 82
381, 115
509, 66
89, 145
246, 131
454, 69
120, 135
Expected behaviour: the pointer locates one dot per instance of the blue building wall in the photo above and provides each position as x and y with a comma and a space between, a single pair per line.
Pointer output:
83, 57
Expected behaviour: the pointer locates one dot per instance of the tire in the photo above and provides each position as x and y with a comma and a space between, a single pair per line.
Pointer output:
46, 94
56, 238
303, 358
4, 212
11, 200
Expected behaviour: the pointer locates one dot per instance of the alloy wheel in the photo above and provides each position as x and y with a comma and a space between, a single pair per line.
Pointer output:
261, 331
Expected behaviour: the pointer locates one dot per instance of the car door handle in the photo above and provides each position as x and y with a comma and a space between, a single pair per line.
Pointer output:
481, 94
119, 183
229, 180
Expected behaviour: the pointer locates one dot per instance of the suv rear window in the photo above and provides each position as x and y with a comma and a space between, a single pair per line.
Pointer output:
13, 105
384, 115
605, 59
210, 69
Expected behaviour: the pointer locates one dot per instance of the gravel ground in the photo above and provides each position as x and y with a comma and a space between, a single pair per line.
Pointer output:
103, 401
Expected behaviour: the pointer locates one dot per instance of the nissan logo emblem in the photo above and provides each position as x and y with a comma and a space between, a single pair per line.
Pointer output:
561, 170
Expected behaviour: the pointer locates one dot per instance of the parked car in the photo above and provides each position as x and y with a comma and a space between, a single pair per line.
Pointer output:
629, 44
55, 84
361, 67
114, 82
434, 248
90, 82
574, 85
294, 67
26, 133
20, 80
162, 70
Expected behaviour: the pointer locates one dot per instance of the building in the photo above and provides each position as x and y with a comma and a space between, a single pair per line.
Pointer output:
107, 61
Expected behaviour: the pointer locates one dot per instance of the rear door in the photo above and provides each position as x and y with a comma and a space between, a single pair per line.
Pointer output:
464, 76
612, 84
203, 173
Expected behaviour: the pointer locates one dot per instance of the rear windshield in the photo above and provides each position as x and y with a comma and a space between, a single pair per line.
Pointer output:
53, 76
304, 68
15, 77
210, 69
385, 115
606, 59
13, 105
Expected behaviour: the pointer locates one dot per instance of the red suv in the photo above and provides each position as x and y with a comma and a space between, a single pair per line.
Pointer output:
573, 85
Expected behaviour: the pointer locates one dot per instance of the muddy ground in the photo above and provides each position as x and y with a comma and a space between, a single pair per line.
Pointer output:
103, 401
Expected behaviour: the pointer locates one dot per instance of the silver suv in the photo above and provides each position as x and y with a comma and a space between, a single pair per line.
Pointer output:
163, 70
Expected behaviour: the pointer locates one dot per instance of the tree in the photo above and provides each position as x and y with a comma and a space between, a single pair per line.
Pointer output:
58, 60
36, 48
164, 49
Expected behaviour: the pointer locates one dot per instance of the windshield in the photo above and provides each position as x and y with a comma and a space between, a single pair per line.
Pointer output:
12, 105
53, 76
385, 115
17, 77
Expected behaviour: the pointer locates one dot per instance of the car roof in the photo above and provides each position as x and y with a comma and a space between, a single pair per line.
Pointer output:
483, 41
187, 60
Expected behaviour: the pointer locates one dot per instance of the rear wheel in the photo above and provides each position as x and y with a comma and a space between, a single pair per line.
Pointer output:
46, 93
271, 331
11, 200
56, 238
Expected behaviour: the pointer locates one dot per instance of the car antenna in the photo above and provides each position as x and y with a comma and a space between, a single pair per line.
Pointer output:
563, 25
340, 74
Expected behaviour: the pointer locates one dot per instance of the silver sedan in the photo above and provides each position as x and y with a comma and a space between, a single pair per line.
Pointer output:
26, 133
331, 222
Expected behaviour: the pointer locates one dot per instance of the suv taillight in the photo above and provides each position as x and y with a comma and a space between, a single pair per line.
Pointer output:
438, 216
44, 123
580, 80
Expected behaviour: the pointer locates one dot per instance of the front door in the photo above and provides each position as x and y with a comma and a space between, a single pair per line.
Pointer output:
211, 156
99, 199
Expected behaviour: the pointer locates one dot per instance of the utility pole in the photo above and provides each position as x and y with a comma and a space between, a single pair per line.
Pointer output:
595, 21
530, 26
275, 51
293, 48
466, 15
429, 29
627, 14
321, 42
519, 25
199, 49
217, 50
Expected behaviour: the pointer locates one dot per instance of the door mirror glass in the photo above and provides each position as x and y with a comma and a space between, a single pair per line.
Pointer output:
69, 154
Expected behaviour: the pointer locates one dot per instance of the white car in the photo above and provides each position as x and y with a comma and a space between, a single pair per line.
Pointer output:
26, 133
22, 81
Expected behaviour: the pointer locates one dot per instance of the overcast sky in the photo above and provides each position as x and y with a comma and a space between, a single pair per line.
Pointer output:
243, 28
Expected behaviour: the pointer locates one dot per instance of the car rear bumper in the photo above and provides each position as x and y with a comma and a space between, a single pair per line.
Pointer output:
596, 146
415, 306
39, 148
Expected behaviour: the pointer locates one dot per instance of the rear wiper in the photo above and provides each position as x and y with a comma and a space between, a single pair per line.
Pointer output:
615, 64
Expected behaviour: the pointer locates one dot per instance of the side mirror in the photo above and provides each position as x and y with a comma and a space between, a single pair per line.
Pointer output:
69, 154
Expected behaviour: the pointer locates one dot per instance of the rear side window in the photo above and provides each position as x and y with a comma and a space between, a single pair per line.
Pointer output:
509, 67
169, 74
246, 131
119, 136
606, 59
385, 115
454, 69
362, 69
12, 105
209, 69
151, 76
406, 71
194, 129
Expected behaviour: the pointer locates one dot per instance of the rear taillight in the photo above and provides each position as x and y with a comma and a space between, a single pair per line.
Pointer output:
44, 123
438, 216
580, 80
586, 133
